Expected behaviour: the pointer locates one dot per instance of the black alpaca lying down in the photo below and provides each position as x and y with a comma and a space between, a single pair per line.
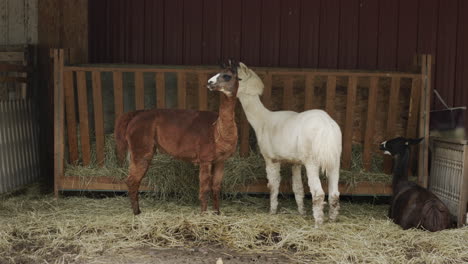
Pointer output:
412, 205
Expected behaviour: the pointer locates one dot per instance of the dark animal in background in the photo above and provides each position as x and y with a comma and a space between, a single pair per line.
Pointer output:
412, 206
201, 137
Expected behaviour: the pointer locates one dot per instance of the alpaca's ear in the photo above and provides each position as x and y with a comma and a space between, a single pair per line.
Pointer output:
412, 141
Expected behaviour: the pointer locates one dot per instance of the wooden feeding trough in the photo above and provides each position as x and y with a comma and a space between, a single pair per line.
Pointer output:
369, 106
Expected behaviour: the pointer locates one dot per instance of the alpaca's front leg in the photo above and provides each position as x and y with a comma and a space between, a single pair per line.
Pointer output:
274, 179
205, 177
298, 188
318, 195
333, 193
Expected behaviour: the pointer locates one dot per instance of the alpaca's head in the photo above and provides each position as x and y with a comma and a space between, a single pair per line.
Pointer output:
249, 82
398, 145
227, 80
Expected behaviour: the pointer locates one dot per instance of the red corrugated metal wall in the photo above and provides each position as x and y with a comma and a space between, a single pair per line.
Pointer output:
345, 34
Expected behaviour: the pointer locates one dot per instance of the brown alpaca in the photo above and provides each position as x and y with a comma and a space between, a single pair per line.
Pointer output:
200, 137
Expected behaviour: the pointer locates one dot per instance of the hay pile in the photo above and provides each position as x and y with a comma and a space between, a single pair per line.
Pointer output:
38, 229
171, 177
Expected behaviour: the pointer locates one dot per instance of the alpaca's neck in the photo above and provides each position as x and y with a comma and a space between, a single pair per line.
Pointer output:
400, 169
254, 110
226, 124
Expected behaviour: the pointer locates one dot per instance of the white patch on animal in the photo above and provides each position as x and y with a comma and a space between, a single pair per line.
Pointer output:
387, 152
213, 79
384, 144
311, 138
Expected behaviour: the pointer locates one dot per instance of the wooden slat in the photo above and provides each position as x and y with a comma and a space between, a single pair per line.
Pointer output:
348, 129
13, 79
118, 94
71, 117
370, 123
181, 90
244, 136
139, 91
98, 117
411, 128
59, 145
391, 119
309, 91
11, 56
266, 96
160, 90
331, 96
288, 94
202, 92
14, 68
424, 120
83, 114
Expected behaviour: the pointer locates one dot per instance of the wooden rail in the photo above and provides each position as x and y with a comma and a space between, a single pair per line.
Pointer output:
77, 75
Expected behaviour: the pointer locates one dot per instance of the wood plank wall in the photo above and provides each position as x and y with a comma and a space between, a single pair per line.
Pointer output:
18, 22
352, 34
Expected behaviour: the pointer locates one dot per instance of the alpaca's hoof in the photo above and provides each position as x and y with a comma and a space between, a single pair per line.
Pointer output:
301, 211
136, 212
272, 212
318, 223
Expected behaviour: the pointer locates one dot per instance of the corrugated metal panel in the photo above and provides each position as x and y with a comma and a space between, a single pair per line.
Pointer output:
19, 145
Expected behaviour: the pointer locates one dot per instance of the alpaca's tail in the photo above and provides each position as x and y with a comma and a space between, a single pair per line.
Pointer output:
327, 146
435, 215
120, 132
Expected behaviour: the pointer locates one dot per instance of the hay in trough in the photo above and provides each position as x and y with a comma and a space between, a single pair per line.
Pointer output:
171, 177
39, 229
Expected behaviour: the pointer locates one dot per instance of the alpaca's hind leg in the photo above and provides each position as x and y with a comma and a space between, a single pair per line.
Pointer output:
137, 171
274, 179
218, 172
318, 195
333, 194
298, 187
205, 184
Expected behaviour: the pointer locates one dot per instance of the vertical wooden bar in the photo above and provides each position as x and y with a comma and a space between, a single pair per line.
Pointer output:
331, 94
424, 119
202, 92
415, 97
309, 91
181, 90
348, 129
71, 116
118, 94
391, 118
244, 136
83, 115
288, 94
266, 96
462, 208
370, 123
98, 117
59, 146
139, 91
160, 90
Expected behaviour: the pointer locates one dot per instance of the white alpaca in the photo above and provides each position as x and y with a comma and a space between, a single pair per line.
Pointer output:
311, 138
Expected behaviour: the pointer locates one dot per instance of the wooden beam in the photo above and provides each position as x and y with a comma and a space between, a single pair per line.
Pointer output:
181, 90
118, 94
71, 117
424, 114
59, 125
160, 90
139, 91
348, 129
391, 119
98, 117
83, 115
309, 92
370, 123
331, 96
202, 92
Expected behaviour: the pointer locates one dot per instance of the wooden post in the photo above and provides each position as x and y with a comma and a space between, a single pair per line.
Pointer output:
331, 92
98, 117
59, 146
118, 94
348, 130
288, 94
309, 92
424, 113
202, 92
83, 114
160, 90
391, 119
370, 123
71, 116
139, 91
181, 90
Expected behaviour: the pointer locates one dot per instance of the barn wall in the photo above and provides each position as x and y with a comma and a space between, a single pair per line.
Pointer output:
343, 34
18, 22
